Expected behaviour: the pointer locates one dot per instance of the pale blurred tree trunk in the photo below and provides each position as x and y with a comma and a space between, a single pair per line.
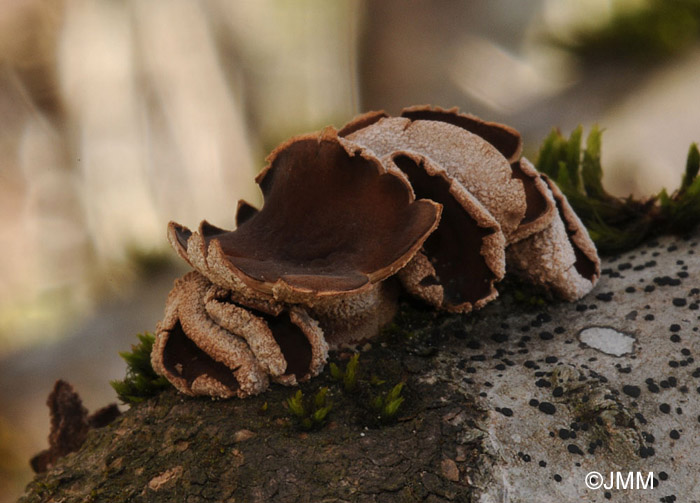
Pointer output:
414, 52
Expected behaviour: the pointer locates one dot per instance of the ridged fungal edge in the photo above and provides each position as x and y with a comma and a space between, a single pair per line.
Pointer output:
439, 202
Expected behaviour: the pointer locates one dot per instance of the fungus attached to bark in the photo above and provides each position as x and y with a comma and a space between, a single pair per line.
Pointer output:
244, 212
435, 200
587, 262
207, 345
541, 208
546, 242
334, 222
348, 321
69, 425
464, 256
562, 257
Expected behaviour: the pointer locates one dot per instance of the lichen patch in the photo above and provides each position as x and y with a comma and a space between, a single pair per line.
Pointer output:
608, 340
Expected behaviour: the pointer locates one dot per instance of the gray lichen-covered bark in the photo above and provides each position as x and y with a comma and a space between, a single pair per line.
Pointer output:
517, 402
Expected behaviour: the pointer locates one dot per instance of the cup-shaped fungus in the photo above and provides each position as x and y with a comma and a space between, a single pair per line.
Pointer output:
334, 222
437, 200
506, 139
464, 257
484, 157
561, 257
539, 206
476, 164
481, 172
305, 270
345, 320
208, 345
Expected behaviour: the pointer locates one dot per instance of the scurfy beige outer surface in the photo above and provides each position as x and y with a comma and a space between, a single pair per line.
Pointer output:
473, 162
436, 201
561, 257
208, 345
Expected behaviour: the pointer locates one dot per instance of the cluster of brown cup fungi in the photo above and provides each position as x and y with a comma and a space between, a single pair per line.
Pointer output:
436, 202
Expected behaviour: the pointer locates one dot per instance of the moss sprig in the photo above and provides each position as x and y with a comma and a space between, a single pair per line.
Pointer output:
380, 400
141, 382
348, 376
617, 224
310, 413
386, 405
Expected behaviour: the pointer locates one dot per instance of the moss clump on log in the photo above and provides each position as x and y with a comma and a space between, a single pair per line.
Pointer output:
141, 382
617, 224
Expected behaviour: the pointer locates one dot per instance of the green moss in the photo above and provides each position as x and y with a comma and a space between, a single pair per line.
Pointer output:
523, 293
141, 381
375, 398
360, 396
649, 32
310, 413
47, 489
347, 377
386, 405
617, 224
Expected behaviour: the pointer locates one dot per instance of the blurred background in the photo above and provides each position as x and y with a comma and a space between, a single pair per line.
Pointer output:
117, 116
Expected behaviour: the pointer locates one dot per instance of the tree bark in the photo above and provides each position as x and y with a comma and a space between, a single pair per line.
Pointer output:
517, 402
